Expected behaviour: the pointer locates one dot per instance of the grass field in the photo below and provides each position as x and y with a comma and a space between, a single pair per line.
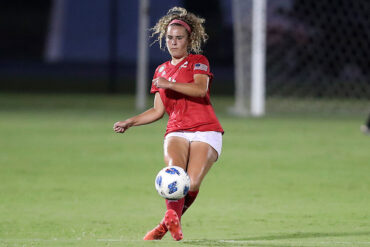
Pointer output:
283, 180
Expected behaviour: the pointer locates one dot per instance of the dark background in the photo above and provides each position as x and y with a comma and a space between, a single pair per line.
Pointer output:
315, 48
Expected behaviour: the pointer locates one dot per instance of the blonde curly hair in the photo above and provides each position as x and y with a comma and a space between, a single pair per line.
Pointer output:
197, 36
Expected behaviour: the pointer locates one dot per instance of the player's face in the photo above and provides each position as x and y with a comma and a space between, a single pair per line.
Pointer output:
177, 41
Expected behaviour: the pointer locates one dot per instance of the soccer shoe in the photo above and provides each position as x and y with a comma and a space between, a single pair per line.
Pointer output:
172, 222
365, 129
156, 234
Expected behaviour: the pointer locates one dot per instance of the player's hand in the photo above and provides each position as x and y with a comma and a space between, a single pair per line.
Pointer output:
160, 82
121, 126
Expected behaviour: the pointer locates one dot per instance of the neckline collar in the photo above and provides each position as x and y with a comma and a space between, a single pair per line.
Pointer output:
179, 63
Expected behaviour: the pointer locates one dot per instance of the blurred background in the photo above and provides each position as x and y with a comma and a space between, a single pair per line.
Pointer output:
314, 49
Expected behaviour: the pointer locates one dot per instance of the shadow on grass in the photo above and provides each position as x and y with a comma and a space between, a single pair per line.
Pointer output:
301, 235
268, 240
215, 243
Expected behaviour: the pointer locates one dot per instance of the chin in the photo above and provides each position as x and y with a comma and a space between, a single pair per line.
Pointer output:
177, 56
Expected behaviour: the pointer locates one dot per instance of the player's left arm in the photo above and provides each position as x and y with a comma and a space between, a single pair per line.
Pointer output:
197, 89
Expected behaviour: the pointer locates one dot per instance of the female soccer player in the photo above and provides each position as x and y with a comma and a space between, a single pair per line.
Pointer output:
193, 138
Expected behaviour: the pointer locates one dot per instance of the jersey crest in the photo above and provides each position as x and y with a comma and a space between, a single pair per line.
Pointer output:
161, 69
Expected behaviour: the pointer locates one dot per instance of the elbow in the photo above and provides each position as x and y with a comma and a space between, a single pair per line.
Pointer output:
160, 115
202, 91
202, 94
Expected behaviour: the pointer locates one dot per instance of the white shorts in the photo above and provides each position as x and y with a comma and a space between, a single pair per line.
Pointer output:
213, 138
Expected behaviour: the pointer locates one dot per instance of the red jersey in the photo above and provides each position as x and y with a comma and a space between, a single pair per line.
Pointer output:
187, 113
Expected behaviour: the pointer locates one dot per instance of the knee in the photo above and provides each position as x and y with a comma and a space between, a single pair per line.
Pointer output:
175, 161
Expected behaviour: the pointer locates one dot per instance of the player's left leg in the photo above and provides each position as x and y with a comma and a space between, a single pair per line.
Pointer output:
157, 233
201, 158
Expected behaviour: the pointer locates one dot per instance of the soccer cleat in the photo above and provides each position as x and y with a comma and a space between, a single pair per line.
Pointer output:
156, 234
172, 222
365, 129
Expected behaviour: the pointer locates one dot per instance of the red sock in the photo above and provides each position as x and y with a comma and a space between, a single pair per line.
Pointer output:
176, 205
189, 199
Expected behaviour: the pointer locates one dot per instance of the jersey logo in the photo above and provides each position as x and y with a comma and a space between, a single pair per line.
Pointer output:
161, 69
185, 65
200, 66
171, 80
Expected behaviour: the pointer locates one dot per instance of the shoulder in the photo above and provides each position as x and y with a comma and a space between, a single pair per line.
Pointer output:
161, 67
200, 64
198, 58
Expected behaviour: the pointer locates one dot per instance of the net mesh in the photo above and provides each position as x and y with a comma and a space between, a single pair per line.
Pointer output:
317, 55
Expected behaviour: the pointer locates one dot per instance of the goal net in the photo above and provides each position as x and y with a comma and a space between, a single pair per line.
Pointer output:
317, 55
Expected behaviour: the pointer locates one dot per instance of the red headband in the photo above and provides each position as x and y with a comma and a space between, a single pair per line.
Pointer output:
182, 23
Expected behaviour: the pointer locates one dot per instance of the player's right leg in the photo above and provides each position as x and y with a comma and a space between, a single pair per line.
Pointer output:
176, 152
172, 222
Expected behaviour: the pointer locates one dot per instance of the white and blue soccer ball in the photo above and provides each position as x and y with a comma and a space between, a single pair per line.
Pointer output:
172, 183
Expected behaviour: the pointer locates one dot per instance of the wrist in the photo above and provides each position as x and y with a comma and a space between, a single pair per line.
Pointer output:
130, 122
171, 84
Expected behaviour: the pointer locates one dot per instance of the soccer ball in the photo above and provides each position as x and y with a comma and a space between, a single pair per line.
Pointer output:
172, 183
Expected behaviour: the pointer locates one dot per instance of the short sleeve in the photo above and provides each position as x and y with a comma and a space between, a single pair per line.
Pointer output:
201, 66
154, 89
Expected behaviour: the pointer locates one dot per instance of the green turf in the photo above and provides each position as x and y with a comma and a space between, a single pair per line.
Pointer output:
283, 180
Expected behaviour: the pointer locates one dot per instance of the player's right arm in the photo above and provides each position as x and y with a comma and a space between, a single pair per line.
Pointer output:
153, 114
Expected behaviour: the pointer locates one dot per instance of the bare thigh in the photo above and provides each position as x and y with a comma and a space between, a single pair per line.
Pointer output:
176, 151
201, 158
